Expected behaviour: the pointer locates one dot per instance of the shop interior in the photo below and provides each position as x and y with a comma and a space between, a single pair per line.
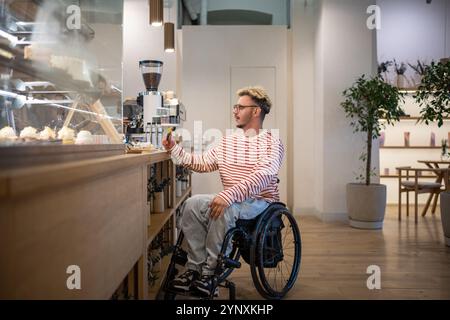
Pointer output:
91, 201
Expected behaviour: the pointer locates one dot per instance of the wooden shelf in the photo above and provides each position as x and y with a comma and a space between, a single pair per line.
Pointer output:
411, 177
154, 290
414, 119
157, 221
411, 147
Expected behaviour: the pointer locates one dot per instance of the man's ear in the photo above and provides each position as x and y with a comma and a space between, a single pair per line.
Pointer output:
258, 112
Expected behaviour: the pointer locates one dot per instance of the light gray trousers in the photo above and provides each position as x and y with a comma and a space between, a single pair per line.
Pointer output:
204, 236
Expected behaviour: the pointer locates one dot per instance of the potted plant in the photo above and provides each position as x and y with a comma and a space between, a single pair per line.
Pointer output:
157, 193
402, 81
433, 97
383, 70
419, 70
366, 102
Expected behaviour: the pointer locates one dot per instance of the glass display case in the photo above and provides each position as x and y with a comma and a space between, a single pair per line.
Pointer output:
60, 73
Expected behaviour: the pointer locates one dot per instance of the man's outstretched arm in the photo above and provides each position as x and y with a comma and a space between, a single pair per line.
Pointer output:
206, 162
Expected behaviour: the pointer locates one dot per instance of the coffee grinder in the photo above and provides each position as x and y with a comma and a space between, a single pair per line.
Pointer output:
151, 100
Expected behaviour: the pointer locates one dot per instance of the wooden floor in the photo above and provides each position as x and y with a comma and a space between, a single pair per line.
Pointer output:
414, 261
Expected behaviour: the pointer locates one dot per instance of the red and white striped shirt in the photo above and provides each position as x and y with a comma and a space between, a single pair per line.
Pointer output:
248, 166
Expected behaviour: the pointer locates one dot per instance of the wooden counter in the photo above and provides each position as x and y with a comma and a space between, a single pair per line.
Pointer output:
90, 213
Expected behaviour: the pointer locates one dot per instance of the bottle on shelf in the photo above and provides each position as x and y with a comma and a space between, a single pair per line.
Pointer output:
159, 136
148, 129
153, 135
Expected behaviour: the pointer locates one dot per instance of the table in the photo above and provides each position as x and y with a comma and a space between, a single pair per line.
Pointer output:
436, 164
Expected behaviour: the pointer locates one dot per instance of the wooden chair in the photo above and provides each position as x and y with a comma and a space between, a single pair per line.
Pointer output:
409, 181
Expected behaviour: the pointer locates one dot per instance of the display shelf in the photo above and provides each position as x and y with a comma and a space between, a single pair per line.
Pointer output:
411, 147
420, 135
161, 231
396, 177
170, 124
413, 119
154, 290
179, 200
157, 221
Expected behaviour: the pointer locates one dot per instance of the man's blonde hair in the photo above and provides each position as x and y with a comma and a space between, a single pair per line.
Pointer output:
259, 95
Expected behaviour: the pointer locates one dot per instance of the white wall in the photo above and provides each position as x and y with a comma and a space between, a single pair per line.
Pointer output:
326, 150
144, 42
412, 30
209, 54
303, 30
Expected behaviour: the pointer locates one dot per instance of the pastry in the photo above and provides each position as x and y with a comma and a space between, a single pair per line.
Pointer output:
29, 133
84, 137
47, 134
67, 135
7, 133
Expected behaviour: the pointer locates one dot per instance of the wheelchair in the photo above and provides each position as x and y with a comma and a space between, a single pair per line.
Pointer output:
270, 244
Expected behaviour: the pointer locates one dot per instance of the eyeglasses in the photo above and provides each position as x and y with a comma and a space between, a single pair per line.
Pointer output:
239, 108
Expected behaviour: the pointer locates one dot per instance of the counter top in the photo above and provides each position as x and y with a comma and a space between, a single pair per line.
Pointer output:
36, 179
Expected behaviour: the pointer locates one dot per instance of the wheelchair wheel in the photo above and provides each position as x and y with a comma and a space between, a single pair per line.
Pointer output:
276, 253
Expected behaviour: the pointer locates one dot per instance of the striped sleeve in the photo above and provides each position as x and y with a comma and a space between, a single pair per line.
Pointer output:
263, 174
206, 162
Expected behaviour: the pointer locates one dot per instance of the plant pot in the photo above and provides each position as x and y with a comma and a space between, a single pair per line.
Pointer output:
445, 216
158, 203
417, 79
366, 205
402, 82
179, 191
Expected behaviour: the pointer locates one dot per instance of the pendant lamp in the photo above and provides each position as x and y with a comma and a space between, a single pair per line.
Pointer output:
156, 12
169, 37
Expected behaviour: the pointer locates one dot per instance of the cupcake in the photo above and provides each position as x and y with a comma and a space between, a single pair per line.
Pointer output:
29, 133
67, 135
84, 137
47, 134
7, 134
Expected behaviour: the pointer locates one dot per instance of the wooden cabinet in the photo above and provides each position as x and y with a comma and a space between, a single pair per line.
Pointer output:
91, 214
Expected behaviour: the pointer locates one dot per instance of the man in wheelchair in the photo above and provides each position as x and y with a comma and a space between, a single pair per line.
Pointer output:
248, 164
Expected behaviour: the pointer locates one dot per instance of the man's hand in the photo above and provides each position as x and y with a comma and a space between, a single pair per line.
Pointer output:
168, 142
218, 206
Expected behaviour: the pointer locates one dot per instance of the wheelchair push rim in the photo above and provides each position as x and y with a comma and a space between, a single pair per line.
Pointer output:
274, 272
